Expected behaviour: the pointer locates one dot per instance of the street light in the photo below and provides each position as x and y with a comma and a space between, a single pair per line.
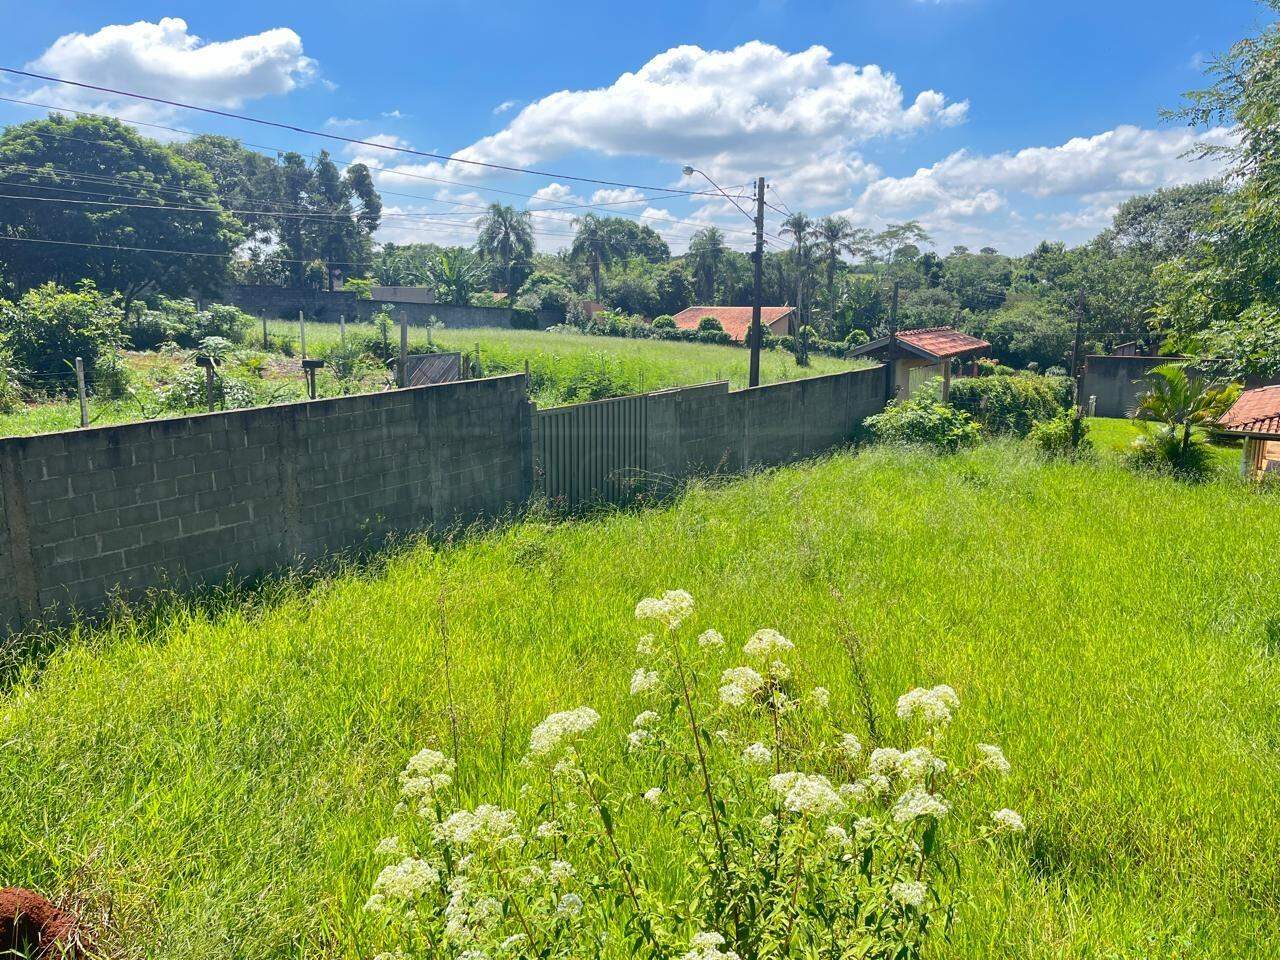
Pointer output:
757, 335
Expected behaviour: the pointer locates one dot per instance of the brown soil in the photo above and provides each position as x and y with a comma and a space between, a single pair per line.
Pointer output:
31, 926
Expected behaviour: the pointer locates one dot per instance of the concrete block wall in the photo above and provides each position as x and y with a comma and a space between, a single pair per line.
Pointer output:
1118, 381
87, 513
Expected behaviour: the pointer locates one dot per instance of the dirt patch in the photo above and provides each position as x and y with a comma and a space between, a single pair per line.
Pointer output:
32, 927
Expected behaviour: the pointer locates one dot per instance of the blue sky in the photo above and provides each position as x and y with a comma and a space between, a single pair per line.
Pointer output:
993, 121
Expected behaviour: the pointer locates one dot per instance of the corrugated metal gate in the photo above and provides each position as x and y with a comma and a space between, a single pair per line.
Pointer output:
425, 369
592, 452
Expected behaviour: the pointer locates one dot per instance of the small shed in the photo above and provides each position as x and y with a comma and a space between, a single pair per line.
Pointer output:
914, 356
1255, 416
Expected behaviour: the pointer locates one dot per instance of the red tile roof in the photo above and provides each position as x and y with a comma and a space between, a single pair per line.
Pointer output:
1256, 411
735, 320
942, 341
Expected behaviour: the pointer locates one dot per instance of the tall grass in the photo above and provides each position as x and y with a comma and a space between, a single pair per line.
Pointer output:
224, 778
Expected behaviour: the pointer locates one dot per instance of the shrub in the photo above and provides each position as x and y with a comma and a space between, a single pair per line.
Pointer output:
178, 321
926, 422
1066, 435
709, 324
1161, 449
51, 326
187, 391
10, 385
664, 322
523, 318
713, 336
1008, 404
789, 838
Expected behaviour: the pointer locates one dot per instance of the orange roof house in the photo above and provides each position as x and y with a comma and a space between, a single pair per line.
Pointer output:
736, 321
915, 356
1255, 416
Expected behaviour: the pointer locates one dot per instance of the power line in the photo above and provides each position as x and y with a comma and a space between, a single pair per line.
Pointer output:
334, 136
607, 205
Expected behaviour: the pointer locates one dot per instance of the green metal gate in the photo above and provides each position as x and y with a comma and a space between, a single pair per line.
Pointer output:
592, 452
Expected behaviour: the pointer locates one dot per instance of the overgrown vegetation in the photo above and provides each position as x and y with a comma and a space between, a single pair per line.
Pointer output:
224, 777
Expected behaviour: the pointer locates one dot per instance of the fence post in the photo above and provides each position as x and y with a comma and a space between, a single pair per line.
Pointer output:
342, 329
302, 334
404, 349
208, 387
84, 399
266, 343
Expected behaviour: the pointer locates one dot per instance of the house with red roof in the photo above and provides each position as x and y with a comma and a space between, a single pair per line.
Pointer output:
1255, 416
736, 321
914, 356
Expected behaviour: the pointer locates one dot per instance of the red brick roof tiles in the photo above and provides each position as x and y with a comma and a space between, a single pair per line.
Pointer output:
735, 320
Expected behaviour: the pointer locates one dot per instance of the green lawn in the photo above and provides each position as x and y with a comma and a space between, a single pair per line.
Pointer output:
566, 367
222, 780
1112, 436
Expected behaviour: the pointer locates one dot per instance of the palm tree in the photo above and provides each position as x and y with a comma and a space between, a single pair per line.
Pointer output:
596, 244
836, 236
706, 256
456, 273
1183, 402
801, 228
506, 235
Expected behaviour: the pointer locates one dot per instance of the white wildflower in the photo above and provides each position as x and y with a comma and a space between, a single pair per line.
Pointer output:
407, 880
768, 822
546, 830
857, 792
646, 646
807, 794
426, 772
837, 834
993, 757
376, 903
570, 905
767, 643
642, 681
486, 826
934, 705
636, 738
653, 795
879, 785
738, 685
644, 720
706, 946
850, 746
390, 847
821, 697
757, 755
884, 761
560, 871
473, 955
512, 942
710, 640
909, 893
917, 803
559, 727
670, 609
779, 670
917, 763
1008, 821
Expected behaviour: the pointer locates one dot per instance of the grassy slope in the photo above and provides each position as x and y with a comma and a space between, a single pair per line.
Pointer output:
639, 365
1116, 634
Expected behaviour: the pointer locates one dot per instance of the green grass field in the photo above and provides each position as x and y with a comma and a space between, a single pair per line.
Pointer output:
222, 779
566, 367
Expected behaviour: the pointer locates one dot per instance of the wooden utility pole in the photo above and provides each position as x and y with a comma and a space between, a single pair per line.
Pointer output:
891, 364
80, 389
757, 333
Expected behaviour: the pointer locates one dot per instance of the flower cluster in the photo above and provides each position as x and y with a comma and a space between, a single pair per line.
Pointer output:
839, 849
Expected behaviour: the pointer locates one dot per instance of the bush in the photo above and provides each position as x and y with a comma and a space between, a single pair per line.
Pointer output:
713, 336
710, 324
51, 326
924, 422
1160, 449
789, 837
523, 318
1066, 435
187, 391
664, 322
178, 321
1008, 404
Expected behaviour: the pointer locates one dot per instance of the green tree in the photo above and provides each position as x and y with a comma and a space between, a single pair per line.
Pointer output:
456, 274
835, 237
506, 235
706, 257
1183, 402
50, 326
57, 168
595, 244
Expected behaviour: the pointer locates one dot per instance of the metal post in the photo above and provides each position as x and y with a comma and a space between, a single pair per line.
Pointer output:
404, 349
302, 334
342, 329
208, 387
757, 334
80, 389
266, 343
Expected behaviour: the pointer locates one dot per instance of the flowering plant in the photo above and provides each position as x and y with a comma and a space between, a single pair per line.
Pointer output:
797, 840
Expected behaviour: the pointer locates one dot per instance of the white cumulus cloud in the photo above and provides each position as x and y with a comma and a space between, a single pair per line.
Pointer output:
166, 59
